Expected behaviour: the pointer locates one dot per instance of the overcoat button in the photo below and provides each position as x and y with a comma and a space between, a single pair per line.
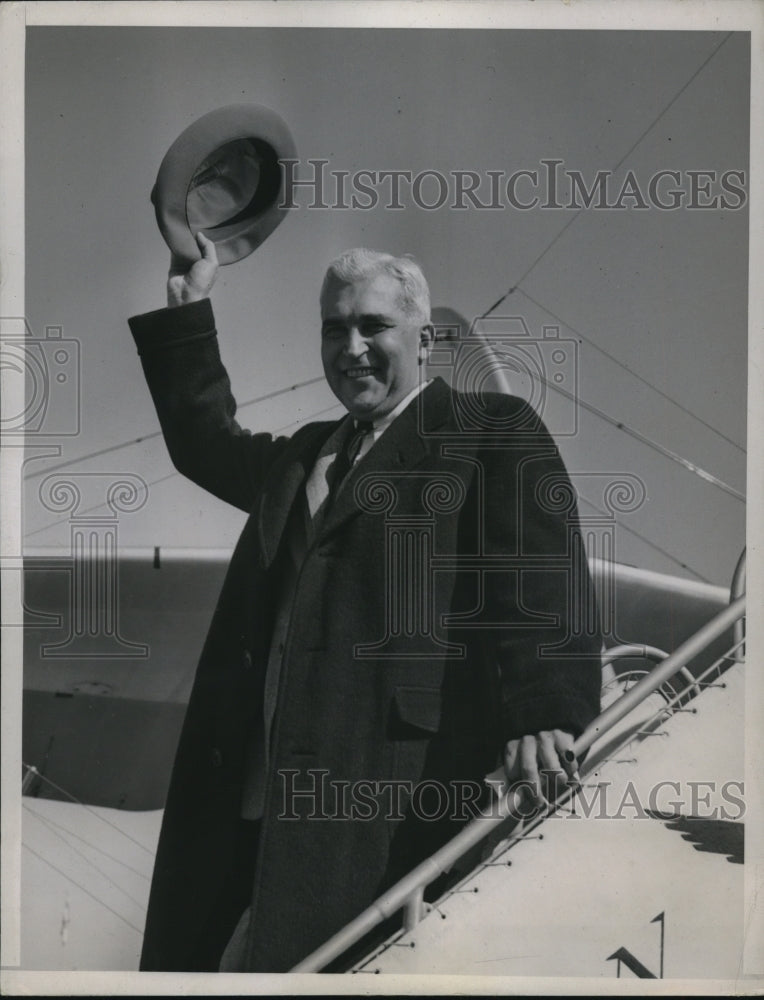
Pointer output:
216, 757
246, 660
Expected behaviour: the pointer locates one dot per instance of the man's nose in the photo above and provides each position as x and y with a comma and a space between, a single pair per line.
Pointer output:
355, 343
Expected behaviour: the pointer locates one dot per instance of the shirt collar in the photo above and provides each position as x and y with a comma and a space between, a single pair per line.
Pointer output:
382, 423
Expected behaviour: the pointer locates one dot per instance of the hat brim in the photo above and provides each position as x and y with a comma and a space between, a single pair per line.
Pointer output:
258, 214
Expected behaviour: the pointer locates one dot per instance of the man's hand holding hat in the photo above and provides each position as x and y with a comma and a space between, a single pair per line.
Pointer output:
190, 284
223, 175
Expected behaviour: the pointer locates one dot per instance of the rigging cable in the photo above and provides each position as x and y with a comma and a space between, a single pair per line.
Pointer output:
619, 425
156, 434
516, 287
643, 538
620, 163
84, 857
636, 375
89, 809
83, 889
171, 475
84, 840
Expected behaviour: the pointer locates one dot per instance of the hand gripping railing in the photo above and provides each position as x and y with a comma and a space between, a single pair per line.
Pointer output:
409, 892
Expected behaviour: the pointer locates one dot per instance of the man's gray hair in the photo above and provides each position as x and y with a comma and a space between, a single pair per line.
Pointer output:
360, 264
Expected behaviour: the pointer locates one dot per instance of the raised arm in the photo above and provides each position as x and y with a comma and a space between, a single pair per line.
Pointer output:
191, 390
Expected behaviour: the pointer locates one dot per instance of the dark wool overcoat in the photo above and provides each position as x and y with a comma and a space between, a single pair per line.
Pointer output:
439, 612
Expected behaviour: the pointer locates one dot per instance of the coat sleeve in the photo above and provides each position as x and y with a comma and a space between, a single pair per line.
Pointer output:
192, 393
546, 636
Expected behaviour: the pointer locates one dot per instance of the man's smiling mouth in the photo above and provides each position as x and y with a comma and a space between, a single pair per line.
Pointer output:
359, 372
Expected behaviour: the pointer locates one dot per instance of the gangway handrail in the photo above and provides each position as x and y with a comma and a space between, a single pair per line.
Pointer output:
633, 649
409, 891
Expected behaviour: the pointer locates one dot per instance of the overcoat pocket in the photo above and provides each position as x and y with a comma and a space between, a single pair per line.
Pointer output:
415, 721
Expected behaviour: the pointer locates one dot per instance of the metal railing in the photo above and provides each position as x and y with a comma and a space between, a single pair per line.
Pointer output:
647, 653
408, 893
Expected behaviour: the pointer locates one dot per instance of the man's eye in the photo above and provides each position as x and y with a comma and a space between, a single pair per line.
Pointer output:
333, 332
372, 328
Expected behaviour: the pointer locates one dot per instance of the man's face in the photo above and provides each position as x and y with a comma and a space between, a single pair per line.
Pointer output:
370, 346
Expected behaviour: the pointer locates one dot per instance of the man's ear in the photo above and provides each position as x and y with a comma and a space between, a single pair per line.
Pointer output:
426, 340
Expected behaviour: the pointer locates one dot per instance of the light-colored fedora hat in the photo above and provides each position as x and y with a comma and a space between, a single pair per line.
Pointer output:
222, 176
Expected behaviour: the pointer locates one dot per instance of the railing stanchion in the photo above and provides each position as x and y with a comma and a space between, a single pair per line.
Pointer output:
414, 909
402, 893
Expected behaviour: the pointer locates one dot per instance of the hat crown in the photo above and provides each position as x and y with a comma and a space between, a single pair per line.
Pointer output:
222, 176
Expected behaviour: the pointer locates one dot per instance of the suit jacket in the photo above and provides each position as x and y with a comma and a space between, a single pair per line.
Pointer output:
434, 618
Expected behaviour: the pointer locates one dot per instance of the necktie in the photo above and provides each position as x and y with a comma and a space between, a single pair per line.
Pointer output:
347, 455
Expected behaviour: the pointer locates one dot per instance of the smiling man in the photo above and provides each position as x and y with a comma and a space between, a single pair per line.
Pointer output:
375, 331
396, 623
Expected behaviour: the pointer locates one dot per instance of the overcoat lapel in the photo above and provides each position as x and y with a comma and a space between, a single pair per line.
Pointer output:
403, 446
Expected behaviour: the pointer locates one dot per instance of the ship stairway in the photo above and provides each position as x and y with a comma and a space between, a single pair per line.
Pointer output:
662, 727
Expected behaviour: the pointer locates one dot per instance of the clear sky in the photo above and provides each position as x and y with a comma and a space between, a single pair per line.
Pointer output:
654, 299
